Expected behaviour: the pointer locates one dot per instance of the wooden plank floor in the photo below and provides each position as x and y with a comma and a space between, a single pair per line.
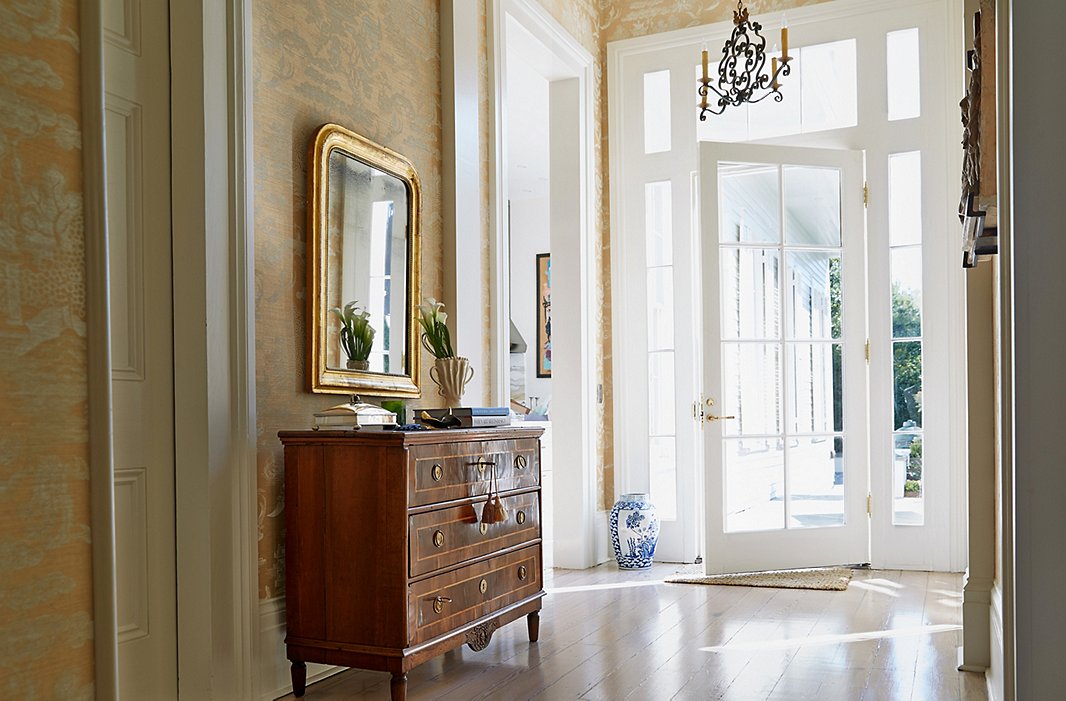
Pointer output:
609, 635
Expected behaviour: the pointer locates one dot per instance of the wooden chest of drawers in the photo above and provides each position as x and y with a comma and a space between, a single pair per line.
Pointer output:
387, 560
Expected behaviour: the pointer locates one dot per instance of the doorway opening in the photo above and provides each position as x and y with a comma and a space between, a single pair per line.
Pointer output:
543, 187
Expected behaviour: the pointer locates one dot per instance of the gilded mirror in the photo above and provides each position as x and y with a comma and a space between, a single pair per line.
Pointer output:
363, 267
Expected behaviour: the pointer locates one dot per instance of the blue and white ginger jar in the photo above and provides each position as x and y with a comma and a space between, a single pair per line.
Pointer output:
634, 525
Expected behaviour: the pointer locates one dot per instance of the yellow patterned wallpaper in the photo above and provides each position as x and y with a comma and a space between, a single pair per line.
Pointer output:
46, 585
373, 67
625, 19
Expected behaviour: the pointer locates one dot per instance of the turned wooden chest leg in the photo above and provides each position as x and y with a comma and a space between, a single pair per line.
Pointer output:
298, 670
399, 687
533, 624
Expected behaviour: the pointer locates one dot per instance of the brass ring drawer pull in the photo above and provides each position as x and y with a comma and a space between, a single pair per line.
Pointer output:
520, 517
484, 528
482, 463
438, 603
520, 462
483, 586
437, 473
522, 573
438, 539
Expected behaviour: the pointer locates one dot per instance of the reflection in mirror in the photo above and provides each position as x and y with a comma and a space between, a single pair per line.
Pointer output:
363, 267
366, 258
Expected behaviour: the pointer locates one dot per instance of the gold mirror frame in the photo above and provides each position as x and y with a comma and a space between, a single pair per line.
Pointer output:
323, 379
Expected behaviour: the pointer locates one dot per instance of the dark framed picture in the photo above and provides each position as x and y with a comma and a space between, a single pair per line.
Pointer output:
544, 315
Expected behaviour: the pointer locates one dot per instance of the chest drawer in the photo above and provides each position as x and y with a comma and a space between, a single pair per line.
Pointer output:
459, 470
441, 603
450, 536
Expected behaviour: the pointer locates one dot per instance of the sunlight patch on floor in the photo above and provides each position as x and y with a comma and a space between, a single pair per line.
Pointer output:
788, 643
601, 587
878, 586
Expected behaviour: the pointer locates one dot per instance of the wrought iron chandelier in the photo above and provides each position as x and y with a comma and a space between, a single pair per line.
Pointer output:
741, 76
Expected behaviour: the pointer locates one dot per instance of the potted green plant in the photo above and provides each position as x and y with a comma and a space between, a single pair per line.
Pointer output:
357, 335
450, 372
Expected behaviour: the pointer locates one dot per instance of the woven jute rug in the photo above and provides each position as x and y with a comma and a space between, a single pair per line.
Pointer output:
824, 578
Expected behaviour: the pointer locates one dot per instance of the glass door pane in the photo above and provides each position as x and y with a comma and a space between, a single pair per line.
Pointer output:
782, 364
662, 406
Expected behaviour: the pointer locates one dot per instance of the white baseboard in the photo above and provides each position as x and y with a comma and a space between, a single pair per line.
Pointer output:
994, 675
274, 679
603, 538
976, 624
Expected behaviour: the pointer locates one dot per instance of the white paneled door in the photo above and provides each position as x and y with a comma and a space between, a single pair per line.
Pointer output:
137, 123
784, 412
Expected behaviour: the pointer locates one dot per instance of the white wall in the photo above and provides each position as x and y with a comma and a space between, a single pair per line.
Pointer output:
1038, 243
530, 235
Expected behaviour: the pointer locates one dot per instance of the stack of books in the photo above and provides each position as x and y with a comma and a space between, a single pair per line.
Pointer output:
466, 417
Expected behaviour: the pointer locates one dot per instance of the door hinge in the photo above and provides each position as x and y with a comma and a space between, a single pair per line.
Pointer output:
866, 194
869, 504
867, 351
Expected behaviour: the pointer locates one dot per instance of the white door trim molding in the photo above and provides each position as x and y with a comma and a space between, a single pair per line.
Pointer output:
958, 430
214, 329
1001, 675
98, 341
464, 293
578, 549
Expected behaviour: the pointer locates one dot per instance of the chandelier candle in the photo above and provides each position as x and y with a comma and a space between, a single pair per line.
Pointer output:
706, 79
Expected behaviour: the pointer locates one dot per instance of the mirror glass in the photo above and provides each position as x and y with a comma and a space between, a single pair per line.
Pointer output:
363, 267
366, 258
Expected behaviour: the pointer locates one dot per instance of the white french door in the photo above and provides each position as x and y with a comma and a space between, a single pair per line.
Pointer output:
784, 369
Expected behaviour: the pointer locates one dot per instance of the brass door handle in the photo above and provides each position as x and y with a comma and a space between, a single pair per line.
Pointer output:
711, 417
438, 539
438, 603
520, 462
